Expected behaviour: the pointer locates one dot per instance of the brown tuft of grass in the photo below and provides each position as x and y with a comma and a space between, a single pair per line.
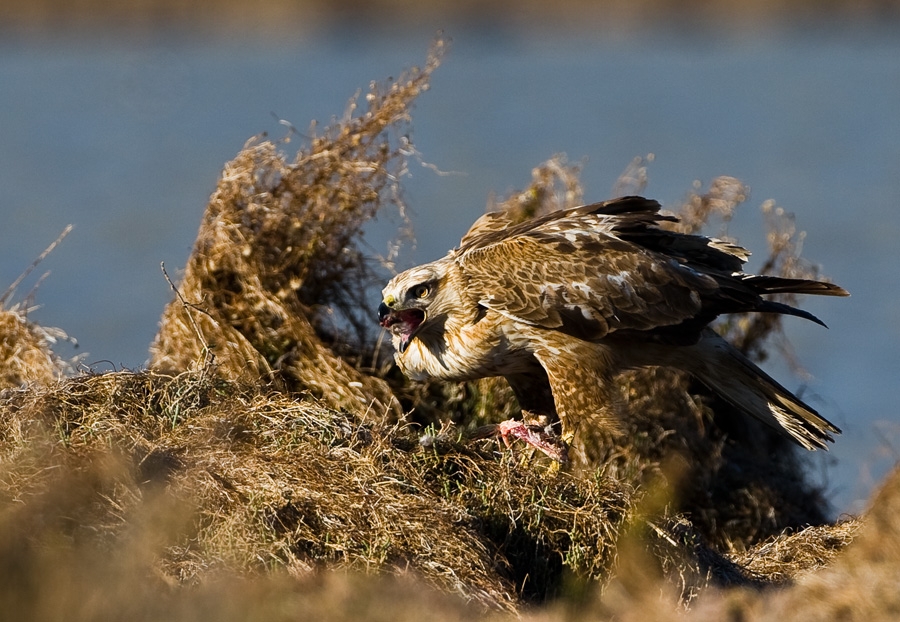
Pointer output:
277, 255
26, 353
26, 348
791, 555
862, 581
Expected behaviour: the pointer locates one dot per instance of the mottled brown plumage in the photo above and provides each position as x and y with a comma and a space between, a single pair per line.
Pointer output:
558, 304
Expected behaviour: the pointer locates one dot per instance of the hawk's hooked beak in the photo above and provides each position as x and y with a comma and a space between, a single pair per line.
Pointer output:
383, 312
403, 323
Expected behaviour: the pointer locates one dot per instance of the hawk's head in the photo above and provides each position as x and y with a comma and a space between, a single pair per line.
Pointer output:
412, 301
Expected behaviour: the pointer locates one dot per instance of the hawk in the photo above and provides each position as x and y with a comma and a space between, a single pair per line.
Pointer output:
560, 303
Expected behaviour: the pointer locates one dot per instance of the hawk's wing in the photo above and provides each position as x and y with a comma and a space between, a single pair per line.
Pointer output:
488, 227
592, 270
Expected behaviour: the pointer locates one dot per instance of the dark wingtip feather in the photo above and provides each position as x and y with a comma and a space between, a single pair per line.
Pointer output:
781, 285
625, 205
819, 288
770, 306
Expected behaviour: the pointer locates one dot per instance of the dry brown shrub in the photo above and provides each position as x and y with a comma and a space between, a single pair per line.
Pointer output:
278, 254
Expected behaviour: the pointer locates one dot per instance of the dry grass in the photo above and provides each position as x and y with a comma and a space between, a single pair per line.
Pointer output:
246, 480
782, 558
192, 481
26, 348
280, 240
26, 353
261, 471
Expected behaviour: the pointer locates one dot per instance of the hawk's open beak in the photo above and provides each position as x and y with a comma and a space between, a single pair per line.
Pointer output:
403, 323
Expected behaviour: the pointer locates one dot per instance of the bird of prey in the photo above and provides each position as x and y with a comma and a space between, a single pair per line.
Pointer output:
560, 303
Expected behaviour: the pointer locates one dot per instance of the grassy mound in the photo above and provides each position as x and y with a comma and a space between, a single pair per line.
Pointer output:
258, 479
188, 480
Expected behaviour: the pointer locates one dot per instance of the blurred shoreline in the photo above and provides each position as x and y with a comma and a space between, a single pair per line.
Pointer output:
316, 17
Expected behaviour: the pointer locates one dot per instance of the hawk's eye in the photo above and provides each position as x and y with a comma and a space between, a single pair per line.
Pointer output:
420, 291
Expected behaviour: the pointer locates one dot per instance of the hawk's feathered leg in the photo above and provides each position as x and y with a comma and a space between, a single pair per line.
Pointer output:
588, 402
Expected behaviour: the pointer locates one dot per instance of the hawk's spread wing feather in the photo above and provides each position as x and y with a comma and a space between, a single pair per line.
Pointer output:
488, 227
591, 270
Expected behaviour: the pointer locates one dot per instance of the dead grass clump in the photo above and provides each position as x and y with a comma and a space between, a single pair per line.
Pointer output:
60, 561
785, 557
26, 348
277, 257
832, 577
862, 582
25, 351
207, 478
846, 571
548, 530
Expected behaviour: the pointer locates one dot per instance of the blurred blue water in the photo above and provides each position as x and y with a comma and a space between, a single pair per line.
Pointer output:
125, 139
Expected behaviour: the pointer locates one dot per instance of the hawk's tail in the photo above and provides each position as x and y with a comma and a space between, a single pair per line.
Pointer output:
739, 381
